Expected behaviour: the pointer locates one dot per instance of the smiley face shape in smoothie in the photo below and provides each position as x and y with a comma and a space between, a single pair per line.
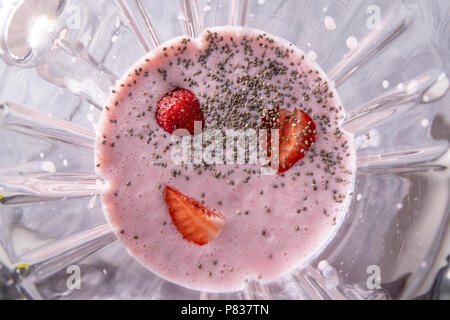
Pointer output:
212, 226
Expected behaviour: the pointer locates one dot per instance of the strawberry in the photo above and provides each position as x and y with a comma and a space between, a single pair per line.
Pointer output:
297, 134
179, 109
195, 222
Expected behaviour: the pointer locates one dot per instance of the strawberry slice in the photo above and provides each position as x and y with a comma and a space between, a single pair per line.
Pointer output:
297, 134
195, 222
179, 109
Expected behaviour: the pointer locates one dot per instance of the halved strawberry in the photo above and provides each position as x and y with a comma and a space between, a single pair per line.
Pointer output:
195, 222
179, 109
297, 134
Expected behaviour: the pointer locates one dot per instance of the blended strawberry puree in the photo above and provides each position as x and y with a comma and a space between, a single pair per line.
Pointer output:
269, 224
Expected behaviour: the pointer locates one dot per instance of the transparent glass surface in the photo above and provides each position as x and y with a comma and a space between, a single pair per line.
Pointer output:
389, 60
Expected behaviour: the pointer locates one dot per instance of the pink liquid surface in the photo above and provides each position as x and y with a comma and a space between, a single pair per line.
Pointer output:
273, 223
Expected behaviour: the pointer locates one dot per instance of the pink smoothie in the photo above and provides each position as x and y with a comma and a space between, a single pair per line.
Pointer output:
274, 223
